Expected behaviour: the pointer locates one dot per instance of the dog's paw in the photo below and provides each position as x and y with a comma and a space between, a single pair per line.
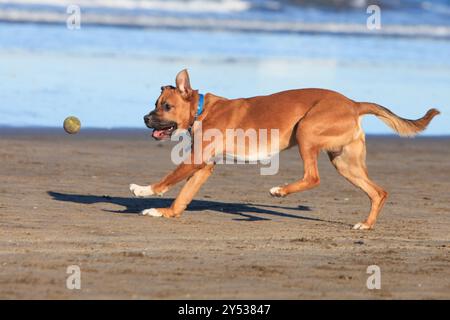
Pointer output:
362, 226
151, 212
141, 191
277, 192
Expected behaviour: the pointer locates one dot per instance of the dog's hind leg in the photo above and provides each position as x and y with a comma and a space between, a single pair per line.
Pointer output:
309, 151
350, 163
328, 125
311, 179
185, 196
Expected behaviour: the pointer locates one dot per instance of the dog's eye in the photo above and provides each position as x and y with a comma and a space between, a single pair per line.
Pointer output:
166, 107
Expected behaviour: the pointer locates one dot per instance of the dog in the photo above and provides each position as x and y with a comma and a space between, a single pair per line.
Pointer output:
312, 119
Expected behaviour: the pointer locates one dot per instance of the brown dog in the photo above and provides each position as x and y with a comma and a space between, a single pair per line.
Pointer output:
313, 119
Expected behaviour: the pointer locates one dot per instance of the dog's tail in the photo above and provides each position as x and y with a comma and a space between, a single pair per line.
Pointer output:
403, 127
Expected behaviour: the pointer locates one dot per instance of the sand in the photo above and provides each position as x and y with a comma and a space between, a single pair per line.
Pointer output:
64, 200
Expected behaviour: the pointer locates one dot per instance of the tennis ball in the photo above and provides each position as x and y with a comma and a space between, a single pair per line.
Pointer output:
72, 125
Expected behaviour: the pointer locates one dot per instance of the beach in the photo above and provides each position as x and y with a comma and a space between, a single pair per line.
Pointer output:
64, 200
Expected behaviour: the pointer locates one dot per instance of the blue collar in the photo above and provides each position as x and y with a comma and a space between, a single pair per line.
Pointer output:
201, 100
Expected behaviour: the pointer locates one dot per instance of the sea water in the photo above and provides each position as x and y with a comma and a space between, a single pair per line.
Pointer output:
110, 76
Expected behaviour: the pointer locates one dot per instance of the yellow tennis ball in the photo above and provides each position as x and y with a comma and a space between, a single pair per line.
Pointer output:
72, 125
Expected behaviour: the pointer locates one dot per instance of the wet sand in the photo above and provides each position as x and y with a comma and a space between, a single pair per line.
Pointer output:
64, 200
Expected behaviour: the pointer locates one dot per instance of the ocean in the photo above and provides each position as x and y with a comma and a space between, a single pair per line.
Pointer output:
109, 72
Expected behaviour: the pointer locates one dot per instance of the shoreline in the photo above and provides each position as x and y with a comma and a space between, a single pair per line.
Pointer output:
8, 131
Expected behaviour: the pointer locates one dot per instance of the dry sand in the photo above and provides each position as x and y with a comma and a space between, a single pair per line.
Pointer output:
64, 200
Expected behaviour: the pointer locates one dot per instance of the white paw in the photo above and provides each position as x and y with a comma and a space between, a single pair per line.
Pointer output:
361, 226
151, 212
276, 192
141, 191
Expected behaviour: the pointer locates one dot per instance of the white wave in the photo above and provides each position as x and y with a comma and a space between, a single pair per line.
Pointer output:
218, 6
143, 21
436, 8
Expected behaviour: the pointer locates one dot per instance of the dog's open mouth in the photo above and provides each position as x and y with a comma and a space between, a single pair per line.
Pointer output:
165, 132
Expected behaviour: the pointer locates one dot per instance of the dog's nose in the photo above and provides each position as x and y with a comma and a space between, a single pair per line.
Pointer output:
146, 118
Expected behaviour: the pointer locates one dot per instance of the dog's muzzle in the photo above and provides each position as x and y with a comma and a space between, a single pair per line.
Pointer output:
162, 129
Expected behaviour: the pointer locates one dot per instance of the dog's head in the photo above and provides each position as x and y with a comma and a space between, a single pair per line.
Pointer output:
174, 109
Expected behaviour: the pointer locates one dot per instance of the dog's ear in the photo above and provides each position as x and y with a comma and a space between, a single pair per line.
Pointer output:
183, 84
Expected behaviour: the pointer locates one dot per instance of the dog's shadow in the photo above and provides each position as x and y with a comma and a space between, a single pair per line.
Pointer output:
135, 205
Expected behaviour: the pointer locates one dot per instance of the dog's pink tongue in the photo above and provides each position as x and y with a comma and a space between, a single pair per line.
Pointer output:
158, 133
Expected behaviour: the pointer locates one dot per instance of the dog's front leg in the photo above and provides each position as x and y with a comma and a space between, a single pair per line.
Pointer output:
186, 195
182, 172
